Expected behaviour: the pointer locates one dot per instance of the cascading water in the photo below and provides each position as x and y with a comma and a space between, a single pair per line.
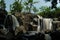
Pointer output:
47, 24
38, 28
39, 23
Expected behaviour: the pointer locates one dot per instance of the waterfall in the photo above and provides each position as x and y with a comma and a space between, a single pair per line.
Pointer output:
15, 22
38, 28
47, 24
39, 23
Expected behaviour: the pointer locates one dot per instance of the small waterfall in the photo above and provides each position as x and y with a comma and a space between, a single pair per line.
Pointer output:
39, 23
47, 24
15, 22
38, 28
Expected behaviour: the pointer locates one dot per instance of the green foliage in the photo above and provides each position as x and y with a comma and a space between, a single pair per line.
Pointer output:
2, 4
35, 9
30, 1
16, 6
57, 12
47, 13
54, 3
29, 6
45, 8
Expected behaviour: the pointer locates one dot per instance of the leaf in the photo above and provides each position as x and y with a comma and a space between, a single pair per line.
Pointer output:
25, 3
30, 1
34, 9
35, 2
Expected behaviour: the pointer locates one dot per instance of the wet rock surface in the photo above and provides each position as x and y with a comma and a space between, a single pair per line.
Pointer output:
25, 36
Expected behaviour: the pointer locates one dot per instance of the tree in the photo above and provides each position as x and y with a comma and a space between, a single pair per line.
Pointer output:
16, 6
49, 13
2, 4
29, 6
54, 3
35, 9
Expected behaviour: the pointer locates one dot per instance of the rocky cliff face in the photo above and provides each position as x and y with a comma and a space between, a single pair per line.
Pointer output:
27, 20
